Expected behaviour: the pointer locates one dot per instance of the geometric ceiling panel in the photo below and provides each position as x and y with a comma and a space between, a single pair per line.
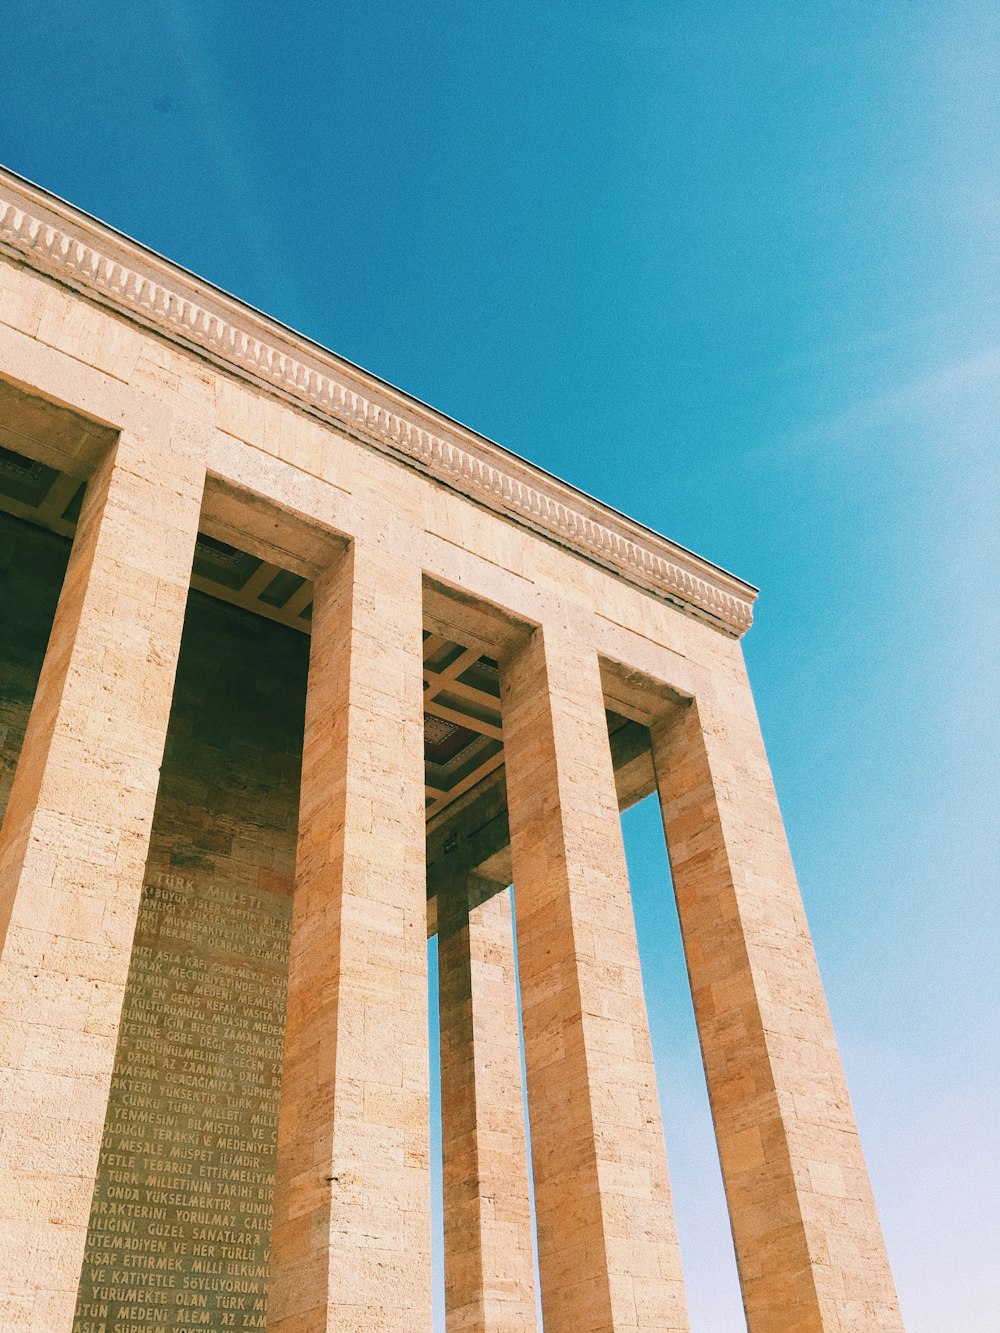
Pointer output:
462, 736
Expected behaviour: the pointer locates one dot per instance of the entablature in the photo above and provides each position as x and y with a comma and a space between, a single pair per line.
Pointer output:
55, 239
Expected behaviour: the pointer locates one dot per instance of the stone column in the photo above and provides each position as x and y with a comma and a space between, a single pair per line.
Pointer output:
488, 1261
808, 1241
72, 855
351, 1233
607, 1242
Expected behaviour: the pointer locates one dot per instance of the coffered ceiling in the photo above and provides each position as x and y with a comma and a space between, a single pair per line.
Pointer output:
463, 744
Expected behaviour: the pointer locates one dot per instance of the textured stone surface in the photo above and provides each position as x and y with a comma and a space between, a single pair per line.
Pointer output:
351, 1238
32, 567
808, 1241
180, 1224
489, 1266
137, 347
72, 852
607, 1242
135, 281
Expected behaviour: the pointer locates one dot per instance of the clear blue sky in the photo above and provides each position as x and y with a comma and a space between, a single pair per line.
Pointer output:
733, 268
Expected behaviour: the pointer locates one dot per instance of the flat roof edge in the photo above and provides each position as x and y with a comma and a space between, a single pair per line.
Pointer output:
64, 242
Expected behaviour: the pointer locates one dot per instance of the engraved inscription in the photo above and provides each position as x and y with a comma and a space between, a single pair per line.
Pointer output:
180, 1223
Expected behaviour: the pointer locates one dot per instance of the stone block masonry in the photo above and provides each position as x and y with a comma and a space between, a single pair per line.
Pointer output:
489, 1266
351, 1226
75, 838
607, 1242
179, 1231
808, 1241
179, 1227
213, 962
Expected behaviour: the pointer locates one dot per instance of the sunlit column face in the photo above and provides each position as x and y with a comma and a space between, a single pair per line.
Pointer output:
72, 854
489, 1265
607, 1244
353, 1138
795, 1177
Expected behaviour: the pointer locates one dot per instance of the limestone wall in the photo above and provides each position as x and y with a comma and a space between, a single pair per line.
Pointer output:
179, 1227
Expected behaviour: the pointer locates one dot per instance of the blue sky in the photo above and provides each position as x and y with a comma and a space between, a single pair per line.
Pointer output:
734, 269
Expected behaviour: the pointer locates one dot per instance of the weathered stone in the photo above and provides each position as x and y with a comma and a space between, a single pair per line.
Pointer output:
489, 1266
119, 365
607, 1242
351, 1235
808, 1241
72, 854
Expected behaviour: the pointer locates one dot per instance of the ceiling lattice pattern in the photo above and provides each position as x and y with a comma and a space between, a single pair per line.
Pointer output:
462, 737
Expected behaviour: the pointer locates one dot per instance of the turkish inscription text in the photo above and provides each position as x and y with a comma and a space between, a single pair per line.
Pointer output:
180, 1223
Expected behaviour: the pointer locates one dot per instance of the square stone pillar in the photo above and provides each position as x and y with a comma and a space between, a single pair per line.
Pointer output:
808, 1242
72, 856
607, 1241
350, 1242
488, 1260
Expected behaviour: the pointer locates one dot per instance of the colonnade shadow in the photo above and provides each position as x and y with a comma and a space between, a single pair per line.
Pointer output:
284, 757
185, 1174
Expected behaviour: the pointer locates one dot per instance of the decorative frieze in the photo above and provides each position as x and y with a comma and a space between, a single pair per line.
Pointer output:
68, 245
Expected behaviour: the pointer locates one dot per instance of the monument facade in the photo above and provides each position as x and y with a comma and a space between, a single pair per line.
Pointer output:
294, 672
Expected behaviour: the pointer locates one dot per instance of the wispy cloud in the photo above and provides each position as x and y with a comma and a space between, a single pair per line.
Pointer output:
230, 150
949, 407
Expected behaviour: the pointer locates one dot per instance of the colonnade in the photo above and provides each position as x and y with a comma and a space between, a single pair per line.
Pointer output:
351, 1232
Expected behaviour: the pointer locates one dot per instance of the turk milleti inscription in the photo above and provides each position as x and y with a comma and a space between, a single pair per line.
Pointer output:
180, 1223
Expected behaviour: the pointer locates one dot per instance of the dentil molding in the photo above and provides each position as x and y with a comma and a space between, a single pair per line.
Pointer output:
56, 239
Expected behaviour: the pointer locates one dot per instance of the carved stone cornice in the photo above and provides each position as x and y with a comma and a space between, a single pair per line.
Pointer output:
49, 235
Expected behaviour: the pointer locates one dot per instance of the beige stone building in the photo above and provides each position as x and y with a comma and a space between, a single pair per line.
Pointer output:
295, 671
